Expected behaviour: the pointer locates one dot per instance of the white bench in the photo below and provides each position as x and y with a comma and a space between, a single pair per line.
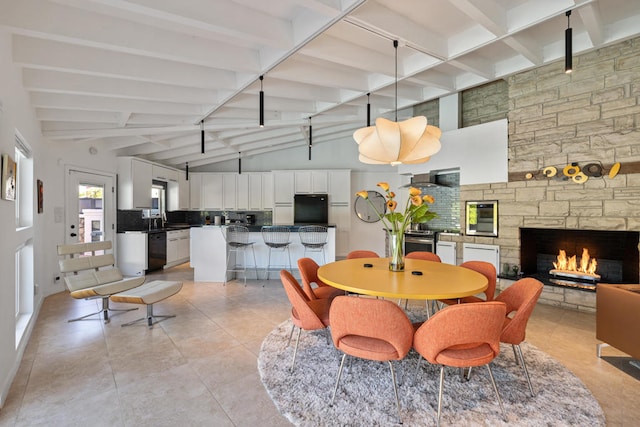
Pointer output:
149, 294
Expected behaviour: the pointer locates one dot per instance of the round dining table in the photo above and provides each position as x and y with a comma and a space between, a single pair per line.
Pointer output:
427, 280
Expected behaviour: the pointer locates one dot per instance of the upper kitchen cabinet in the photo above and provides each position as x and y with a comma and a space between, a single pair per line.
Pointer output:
340, 187
254, 191
195, 191
242, 191
134, 183
256, 195
212, 191
183, 192
161, 173
311, 182
283, 187
267, 190
229, 191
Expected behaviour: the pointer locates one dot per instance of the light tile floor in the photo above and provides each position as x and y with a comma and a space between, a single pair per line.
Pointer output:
199, 369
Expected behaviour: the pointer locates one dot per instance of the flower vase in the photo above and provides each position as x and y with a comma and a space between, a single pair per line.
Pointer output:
396, 251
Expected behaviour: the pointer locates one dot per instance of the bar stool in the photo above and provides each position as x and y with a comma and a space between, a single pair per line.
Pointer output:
276, 237
314, 239
237, 238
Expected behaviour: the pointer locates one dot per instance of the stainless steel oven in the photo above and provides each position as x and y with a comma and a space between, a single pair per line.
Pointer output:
419, 240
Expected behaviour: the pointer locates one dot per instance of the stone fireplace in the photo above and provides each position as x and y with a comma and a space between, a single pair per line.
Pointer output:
616, 253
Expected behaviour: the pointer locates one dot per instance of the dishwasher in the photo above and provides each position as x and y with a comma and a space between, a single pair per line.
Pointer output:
157, 250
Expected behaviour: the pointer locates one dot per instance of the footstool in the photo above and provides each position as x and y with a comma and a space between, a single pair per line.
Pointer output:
149, 294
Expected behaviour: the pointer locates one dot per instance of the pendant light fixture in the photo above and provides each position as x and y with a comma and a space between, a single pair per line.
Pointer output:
239, 163
310, 137
568, 49
202, 136
261, 103
186, 170
368, 110
389, 142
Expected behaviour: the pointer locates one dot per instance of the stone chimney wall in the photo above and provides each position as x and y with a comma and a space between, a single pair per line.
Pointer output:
590, 115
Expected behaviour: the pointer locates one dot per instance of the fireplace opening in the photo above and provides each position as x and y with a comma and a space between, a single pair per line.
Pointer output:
616, 253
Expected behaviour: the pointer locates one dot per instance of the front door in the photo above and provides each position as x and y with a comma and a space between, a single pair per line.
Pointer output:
90, 206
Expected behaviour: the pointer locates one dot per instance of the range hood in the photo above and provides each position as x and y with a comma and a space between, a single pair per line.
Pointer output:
424, 180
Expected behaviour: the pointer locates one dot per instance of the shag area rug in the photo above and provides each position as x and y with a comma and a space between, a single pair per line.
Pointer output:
365, 395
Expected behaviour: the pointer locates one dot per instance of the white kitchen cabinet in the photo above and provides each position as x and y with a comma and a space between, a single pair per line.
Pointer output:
173, 194
172, 247
283, 197
229, 189
447, 252
340, 207
242, 191
178, 247
212, 190
340, 186
132, 253
254, 184
184, 246
480, 252
183, 192
340, 216
195, 191
311, 182
267, 190
283, 214
134, 183
162, 173
283, 187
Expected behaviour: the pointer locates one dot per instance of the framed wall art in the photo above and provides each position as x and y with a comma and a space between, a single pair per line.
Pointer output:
9, 178
40, 197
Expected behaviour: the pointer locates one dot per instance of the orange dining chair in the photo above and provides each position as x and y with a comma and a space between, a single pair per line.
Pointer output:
462, 336
424, 255
521, 299
362, 254
306, 314
309, 274
370, 329
487, 270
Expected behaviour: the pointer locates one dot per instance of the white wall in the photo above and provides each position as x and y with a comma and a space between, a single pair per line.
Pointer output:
49, 160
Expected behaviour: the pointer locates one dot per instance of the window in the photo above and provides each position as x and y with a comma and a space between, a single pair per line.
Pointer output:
24, 255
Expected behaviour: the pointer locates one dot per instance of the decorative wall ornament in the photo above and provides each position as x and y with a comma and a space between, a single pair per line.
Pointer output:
575, 172
40, 190
9, 178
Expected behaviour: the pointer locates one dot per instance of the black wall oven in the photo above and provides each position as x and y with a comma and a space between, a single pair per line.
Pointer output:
419, 241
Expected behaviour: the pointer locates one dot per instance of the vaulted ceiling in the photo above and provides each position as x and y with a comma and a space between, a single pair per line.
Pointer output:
138, 76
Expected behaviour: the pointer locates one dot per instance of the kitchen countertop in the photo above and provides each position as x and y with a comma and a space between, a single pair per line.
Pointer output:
252, 228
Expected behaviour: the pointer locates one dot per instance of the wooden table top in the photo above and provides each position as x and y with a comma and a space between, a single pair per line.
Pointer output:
438, 280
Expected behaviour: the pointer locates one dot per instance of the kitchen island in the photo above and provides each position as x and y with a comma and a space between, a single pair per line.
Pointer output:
209, 253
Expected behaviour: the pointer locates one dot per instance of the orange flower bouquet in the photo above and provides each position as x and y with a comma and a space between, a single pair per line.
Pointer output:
416, 210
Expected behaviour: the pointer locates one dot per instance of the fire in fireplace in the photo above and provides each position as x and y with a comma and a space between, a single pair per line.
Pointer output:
616, 253
569, 266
